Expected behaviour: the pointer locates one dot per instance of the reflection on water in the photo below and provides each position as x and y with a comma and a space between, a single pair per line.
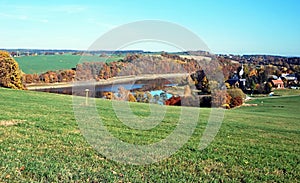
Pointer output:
115, 88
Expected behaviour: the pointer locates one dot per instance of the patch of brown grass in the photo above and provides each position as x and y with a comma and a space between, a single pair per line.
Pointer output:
11, 122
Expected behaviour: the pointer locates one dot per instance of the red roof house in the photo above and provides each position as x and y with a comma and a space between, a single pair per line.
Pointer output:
278, 83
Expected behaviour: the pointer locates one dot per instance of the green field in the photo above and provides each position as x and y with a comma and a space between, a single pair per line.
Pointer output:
43, 63
254, 144
286, 92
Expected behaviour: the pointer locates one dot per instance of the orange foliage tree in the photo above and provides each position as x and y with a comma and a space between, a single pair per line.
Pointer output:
10, 74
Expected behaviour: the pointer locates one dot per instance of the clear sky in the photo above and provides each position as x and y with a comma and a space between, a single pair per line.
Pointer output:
226, 26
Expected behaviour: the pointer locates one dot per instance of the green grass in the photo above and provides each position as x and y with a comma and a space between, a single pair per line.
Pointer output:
43, 63
254, 144
286, 92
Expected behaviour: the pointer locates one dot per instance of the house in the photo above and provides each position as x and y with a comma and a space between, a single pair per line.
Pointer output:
289, 77
277, 83
236, 82
233, 82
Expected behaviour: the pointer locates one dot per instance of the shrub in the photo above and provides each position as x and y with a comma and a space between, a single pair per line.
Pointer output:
173, 101
236, 92
131, 98
237, 97
236, 101
10, 74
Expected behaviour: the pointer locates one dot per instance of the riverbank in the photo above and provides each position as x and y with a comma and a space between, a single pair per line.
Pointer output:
110, 81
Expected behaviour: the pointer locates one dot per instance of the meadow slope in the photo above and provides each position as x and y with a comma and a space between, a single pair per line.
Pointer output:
40, 141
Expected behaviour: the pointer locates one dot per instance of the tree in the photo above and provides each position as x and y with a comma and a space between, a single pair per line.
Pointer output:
220, 98
28, 78
10, 74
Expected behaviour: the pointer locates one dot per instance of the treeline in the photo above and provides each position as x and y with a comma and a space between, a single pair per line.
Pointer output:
50, 77
291, 63
131, 65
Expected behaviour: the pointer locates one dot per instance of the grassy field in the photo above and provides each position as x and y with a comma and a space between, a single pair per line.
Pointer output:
40, 142
286, 92
43, 63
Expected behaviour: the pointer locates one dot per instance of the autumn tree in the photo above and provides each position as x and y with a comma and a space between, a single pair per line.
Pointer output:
220, 98
237, 97
10, 74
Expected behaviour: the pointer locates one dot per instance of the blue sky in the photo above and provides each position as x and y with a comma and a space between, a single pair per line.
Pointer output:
226, 26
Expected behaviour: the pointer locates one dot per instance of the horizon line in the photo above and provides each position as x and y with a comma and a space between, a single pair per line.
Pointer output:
217, 53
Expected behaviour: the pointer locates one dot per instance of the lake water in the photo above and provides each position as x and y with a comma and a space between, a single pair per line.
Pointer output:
155, 87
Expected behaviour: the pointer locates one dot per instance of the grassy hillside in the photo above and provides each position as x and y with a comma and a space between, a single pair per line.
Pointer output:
40, 141
43, 63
